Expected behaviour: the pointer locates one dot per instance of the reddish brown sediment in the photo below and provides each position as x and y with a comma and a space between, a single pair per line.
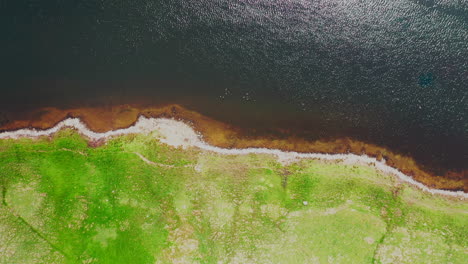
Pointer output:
223, 135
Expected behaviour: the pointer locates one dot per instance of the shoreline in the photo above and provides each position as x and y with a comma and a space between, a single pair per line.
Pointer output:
178, 133
219, 134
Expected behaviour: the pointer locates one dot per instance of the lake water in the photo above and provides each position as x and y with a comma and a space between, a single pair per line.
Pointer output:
389, 72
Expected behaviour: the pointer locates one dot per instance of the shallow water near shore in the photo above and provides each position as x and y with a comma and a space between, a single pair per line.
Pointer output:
391, 73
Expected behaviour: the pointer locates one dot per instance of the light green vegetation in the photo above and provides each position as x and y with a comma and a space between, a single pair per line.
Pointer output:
65, 202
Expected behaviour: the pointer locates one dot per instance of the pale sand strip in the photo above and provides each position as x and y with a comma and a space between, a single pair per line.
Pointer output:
178, 134
147, 161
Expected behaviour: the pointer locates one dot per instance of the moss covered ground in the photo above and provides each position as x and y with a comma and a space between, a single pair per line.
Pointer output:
135, 200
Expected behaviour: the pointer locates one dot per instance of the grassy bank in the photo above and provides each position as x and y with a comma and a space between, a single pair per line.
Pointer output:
134, 200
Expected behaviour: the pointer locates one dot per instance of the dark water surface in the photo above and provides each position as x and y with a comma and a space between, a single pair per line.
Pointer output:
389, 72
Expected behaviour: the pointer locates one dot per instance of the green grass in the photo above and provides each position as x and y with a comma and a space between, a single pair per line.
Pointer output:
65, 202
